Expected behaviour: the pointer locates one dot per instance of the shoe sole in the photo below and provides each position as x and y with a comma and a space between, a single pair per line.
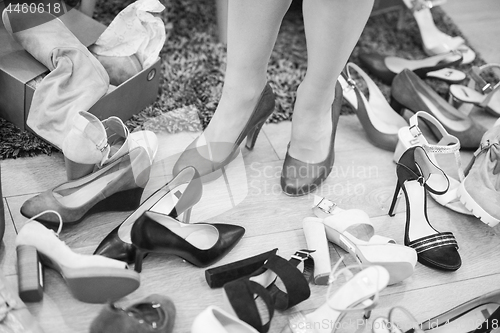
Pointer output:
475, 208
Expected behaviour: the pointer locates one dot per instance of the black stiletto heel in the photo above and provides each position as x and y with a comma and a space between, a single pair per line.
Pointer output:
395, 200
179, 195
201, 244
139, 257
434, 249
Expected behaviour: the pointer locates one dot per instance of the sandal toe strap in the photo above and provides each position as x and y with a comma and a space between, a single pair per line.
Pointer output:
241, 297
295, 282
433, 241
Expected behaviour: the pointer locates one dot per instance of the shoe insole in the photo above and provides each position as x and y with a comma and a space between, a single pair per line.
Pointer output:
201, 236
448, 74
161, 203
82, 195
418, 226
397, 64
230, 325
469, 95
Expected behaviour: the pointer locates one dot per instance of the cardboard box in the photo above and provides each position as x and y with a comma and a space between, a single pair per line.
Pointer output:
18, 67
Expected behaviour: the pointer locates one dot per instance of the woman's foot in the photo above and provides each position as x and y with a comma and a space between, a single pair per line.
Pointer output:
311, 126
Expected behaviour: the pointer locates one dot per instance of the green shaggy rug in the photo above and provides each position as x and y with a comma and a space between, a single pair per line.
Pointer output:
193, 63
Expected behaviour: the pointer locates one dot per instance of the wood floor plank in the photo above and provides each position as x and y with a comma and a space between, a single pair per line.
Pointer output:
8, 249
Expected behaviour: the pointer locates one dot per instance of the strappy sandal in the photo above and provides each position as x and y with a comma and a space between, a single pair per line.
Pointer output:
479, 92
357, 289
410, 136
353, 231
240, 293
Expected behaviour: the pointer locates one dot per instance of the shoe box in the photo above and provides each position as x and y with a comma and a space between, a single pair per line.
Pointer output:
18, 68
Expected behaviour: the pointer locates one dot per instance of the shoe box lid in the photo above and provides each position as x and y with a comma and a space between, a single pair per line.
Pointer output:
18, 63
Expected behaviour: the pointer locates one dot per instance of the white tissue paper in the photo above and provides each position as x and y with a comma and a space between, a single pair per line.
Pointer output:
134, 31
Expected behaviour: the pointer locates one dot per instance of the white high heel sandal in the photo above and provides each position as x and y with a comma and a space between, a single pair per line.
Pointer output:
90, 278
359, 294
434, 40
353, 231
410, 136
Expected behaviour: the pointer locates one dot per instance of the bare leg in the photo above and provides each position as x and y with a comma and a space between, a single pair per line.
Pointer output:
253, 26
332, 29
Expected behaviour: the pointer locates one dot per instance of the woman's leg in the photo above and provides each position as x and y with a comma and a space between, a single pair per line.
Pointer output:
332, 29
253, 26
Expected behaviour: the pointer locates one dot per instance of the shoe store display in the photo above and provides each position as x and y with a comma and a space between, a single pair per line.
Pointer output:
480, 190
133, 231
153, 314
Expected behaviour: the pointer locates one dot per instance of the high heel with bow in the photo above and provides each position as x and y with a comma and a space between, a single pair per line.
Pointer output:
173, 199
416, 175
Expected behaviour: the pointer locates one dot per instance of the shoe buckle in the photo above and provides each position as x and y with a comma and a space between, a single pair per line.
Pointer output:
325, 206
486, 88
102, 147
415, 131
302, 255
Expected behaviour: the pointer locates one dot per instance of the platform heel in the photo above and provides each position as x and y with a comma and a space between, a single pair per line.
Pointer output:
29, 274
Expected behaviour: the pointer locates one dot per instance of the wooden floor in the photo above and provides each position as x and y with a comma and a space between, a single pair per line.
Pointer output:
363, 177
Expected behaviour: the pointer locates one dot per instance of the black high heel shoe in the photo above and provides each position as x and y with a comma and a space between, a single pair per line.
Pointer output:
175, 198
300, 178
210, 169
409, 91
201, 244
417, 175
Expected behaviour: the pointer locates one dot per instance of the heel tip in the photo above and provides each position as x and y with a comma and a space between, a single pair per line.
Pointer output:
29, 274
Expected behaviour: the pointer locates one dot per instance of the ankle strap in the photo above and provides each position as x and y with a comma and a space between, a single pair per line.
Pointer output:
449, 144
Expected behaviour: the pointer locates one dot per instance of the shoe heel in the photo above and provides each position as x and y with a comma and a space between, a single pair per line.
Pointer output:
252, 136
396, 106
76, 170
139, 257
187, 215
395, 200
123, 200
29, 274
